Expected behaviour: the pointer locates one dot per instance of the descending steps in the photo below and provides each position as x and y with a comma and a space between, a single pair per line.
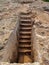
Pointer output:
25, 36
25, 1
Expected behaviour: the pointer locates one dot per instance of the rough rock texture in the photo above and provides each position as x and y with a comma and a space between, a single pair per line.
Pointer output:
41, 37
9, 12
10, 50
6, 63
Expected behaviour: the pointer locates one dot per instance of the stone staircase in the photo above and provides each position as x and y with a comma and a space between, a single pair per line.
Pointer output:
25, 37
25, 1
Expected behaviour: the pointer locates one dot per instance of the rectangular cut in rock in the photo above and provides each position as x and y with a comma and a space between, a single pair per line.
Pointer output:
24, 52
6, 63
25, 1
23, 58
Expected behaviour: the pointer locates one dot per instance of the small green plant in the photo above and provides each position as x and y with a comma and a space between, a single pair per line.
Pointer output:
46, 0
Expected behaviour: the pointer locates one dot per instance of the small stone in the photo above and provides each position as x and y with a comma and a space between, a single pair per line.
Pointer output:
3, 27
1, 47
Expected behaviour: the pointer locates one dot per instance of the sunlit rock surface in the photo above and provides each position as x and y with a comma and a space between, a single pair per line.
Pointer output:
6, 63
9, 16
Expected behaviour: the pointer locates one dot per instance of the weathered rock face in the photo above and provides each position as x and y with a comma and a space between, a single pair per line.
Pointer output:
9, 12
10, 50
6, 63
41, 38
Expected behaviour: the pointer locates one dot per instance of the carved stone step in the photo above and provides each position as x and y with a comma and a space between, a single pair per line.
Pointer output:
25, 16
25, 1
25, 24
26, 28
24, 36
25, 40
24, 51
25, 32
26, 13
24, 45
25, 20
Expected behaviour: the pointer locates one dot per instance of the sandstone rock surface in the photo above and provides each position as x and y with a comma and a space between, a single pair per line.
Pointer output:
9, 13
6, 63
